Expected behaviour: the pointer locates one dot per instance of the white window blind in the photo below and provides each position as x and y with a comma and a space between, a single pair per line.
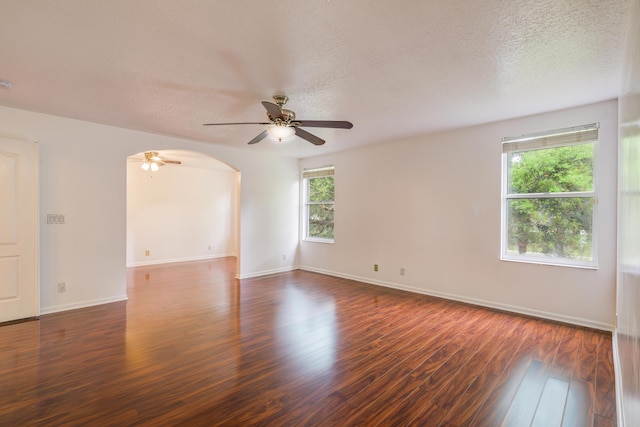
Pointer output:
556, 138
318, 172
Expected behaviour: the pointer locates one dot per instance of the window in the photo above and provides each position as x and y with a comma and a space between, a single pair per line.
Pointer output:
549, 199
319, 209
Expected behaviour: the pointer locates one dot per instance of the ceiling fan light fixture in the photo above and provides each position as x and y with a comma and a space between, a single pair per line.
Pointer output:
152, 161
281, 132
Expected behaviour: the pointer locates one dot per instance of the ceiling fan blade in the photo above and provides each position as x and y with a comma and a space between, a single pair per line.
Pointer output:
173, 162
336, 124
309, 137
259, 138
245, 123
273, 110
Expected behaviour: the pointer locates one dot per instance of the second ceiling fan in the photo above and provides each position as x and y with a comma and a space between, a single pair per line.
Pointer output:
283, 124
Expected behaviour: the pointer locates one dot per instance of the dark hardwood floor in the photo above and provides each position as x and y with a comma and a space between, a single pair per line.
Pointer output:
193, 346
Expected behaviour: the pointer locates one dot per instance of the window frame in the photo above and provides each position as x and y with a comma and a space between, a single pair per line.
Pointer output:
307, 175
579, 135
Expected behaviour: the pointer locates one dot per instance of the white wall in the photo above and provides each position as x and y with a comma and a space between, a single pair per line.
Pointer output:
83, 175
431, 205
627, 337
180, 213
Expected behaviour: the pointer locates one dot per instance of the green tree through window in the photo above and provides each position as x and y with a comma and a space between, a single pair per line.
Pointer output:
319, 203
549, 202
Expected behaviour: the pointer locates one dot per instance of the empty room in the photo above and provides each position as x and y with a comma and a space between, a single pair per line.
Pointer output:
319, 213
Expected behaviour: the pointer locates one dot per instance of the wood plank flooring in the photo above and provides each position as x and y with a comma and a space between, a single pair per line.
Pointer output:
193, 346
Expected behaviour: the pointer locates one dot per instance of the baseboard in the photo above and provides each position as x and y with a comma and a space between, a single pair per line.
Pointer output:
81, 304
618, 377
484, 303
267, 272
173, 260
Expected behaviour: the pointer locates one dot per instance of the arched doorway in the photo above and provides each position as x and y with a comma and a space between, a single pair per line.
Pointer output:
186, 210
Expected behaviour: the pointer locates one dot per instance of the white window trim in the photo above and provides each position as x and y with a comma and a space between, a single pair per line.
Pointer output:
588, 134
314, 173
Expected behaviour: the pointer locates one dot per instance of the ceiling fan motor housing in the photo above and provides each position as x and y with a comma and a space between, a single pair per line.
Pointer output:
288, 115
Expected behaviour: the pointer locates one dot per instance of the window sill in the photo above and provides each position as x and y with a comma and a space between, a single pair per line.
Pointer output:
559, 263
317, 240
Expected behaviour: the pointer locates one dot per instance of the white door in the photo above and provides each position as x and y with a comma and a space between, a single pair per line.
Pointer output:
19, 298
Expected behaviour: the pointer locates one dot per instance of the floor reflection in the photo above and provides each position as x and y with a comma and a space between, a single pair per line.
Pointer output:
178, 311
307, 332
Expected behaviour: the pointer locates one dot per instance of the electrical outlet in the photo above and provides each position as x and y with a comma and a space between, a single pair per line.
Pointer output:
402, 271
375, 267
147, 252
209, 247
62, 287
284, 257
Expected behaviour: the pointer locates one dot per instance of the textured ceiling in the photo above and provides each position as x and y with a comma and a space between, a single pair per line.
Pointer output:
394, 68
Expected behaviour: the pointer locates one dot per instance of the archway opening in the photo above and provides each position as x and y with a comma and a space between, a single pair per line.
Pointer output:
186, 208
